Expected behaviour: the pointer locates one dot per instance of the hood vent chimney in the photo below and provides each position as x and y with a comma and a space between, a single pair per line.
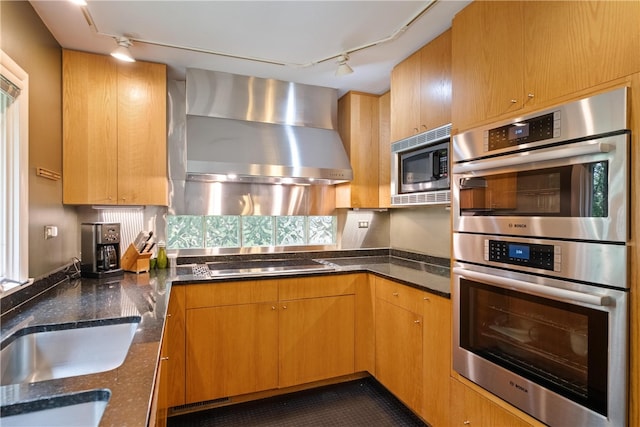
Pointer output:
248, 129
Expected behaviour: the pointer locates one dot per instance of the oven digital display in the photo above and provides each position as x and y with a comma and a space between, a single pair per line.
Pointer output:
525, 254
519, 251
520, 130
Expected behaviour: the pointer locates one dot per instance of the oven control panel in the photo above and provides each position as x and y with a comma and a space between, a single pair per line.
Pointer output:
546, 257
525, 131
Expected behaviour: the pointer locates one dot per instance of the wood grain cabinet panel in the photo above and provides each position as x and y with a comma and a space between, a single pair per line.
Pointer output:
521, 55
405, 98
399, 352
114, 131
435, 82
358, 115
471, 408
384, 155
316, 339
436, 359
487, 61
421, 89
170, 378
240, 342
571, 46
90, 129
231, 350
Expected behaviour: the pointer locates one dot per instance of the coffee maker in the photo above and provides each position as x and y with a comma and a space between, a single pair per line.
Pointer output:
100, 246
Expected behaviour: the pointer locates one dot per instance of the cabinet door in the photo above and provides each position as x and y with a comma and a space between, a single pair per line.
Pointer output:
399, 352
90, 129
470, 408
173, 348
231, 350
435, 82
436, 359
572, 46
358, 128
487, 61
142, 134
405, 98
384, 155
316, 339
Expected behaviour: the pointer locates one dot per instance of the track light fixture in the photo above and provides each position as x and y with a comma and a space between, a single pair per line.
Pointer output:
343, 67
122, 51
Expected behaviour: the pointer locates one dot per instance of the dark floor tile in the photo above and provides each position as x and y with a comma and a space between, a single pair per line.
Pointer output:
356, 403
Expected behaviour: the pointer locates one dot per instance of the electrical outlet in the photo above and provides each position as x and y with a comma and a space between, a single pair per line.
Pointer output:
50, 231
363, 224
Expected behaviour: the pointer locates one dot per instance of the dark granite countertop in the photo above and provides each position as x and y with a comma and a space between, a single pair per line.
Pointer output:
146, 295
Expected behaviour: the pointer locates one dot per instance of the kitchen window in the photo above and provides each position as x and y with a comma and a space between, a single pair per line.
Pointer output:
14, 162
235, 231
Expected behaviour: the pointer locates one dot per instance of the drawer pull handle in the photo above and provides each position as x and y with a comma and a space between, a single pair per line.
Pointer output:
273, 307
416, 321
164, 358
466, 423
395, 294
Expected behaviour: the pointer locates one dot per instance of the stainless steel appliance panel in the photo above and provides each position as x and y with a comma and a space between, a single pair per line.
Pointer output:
583, 118
524, 342
552, 192
587, 262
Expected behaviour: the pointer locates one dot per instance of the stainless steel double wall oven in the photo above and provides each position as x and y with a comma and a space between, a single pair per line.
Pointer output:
540, 245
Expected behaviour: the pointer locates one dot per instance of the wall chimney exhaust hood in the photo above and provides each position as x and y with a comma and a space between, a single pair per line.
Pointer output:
248, 129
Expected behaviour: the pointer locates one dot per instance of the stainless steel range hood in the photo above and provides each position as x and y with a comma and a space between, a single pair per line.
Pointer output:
248, 129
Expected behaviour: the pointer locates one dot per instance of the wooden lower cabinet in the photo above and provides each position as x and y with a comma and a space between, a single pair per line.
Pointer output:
170, 378
399, 352
238, 341
470, 408
231, 350
316, 339
436, 360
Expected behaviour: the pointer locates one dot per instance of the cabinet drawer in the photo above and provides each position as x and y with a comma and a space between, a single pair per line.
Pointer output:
401, 295
231, 293
316, 286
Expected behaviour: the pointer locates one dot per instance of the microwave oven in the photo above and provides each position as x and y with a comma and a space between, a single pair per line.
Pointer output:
420, 168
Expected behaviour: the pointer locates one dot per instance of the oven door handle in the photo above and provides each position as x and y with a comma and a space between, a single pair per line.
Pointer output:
564, 295
533, 156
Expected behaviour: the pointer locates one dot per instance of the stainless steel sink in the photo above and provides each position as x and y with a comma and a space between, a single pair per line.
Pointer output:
44, 352
83, 409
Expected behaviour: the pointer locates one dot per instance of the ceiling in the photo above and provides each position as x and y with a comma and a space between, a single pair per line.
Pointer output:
297, 41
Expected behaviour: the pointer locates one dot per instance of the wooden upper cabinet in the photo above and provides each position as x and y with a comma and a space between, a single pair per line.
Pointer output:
405, 98
421, 89
384, 154
90, 129
516, 56
358, 127
435, 82
571, 46
114, 131
142, 134
487, 61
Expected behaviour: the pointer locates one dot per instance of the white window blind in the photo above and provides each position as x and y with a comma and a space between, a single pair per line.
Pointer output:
14, 164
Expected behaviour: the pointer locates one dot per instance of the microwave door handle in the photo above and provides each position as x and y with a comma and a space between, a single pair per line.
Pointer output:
533, 156
435, 165
564, 295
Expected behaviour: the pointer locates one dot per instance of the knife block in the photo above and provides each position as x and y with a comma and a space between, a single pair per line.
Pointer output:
134, 261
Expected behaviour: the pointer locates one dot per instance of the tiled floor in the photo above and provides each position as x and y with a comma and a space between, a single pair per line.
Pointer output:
356, 403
